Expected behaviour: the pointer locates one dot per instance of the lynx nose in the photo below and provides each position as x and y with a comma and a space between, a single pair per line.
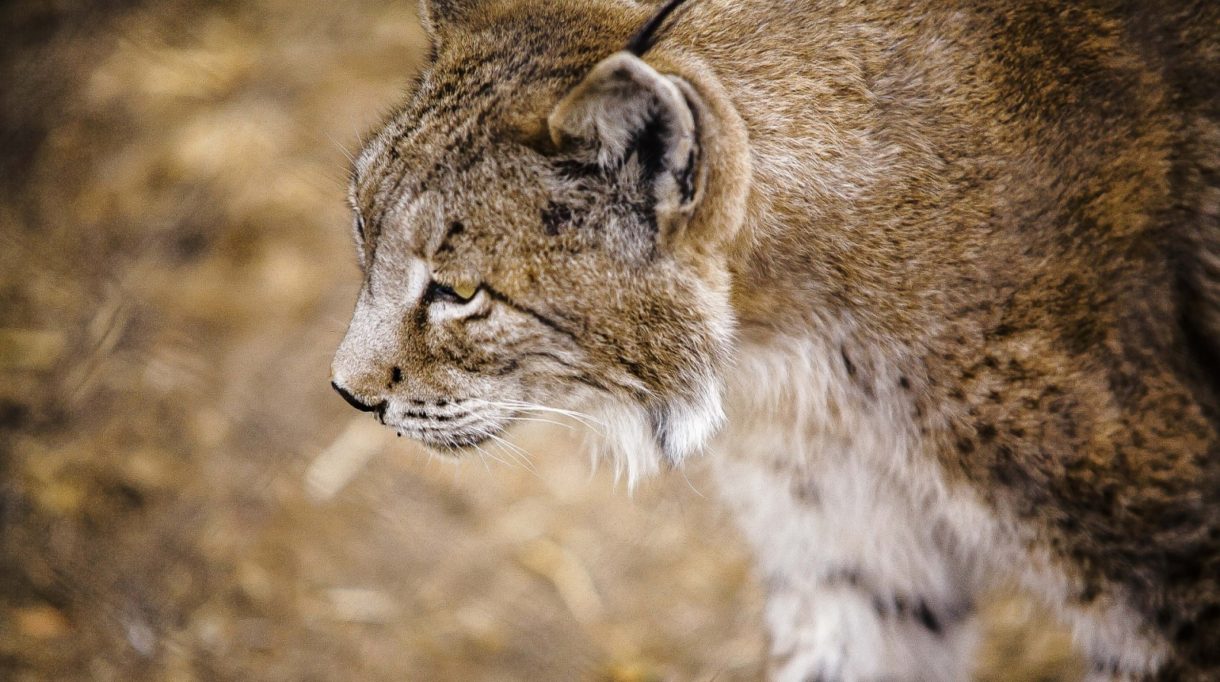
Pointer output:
355, 402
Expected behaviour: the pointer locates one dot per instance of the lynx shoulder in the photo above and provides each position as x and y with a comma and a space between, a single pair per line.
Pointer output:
935, 285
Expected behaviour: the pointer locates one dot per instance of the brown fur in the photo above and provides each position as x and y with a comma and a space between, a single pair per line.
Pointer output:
1019, 201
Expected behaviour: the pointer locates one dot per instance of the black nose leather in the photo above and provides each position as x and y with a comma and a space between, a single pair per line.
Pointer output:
351, 400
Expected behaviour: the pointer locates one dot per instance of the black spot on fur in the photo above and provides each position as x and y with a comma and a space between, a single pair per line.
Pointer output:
928, 619
555, 217
1002, 331
13, 415
395, 375
1089, 594
851, 367
574, 170
987, 433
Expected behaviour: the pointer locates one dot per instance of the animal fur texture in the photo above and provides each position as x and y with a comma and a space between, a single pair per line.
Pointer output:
936, 285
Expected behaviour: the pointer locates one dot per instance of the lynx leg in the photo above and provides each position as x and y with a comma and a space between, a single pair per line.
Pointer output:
842, 628
859, 587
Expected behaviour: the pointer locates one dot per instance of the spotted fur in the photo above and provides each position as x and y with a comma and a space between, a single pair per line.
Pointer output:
936, 285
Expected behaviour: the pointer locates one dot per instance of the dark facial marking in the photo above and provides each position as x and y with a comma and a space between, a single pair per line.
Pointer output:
434, 417
542, 319
455, 228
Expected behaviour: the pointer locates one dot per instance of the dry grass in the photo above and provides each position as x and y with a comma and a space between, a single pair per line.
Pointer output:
182, 498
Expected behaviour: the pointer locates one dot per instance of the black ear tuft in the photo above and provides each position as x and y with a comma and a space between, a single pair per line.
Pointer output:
646, 37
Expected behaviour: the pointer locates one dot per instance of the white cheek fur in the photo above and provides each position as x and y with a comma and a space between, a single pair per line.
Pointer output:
418, 277
628, 436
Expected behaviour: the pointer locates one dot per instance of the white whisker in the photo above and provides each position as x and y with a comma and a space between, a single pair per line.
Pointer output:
689, 484
581, 417
540, 420
483, 459
511, 447
514, 451
483, 453
524, 464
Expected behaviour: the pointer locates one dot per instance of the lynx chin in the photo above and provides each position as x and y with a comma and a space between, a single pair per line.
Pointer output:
934, 285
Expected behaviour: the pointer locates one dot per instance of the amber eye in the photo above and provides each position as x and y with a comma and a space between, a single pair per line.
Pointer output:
459, 293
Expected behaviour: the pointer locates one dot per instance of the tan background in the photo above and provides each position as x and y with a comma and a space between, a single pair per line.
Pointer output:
181, 495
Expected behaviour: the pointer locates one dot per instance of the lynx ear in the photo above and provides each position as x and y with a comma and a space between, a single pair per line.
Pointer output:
436, 14
624, 110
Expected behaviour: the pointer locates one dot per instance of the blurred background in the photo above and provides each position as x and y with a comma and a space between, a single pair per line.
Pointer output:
182, 497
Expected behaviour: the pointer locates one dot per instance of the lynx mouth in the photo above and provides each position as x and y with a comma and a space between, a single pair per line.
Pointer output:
453, 447
452, 440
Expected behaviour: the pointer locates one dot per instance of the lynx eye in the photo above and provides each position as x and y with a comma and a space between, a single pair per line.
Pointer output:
459, 293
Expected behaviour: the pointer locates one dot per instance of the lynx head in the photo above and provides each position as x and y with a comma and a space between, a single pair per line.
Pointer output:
536, 229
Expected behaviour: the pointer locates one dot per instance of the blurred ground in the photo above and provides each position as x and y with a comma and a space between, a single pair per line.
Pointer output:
181, 496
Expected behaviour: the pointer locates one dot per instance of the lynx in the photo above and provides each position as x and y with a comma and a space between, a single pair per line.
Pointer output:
934, 285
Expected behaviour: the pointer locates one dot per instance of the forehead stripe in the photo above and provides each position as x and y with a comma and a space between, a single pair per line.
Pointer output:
460, 150
439, 100
455, 228
445, 98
